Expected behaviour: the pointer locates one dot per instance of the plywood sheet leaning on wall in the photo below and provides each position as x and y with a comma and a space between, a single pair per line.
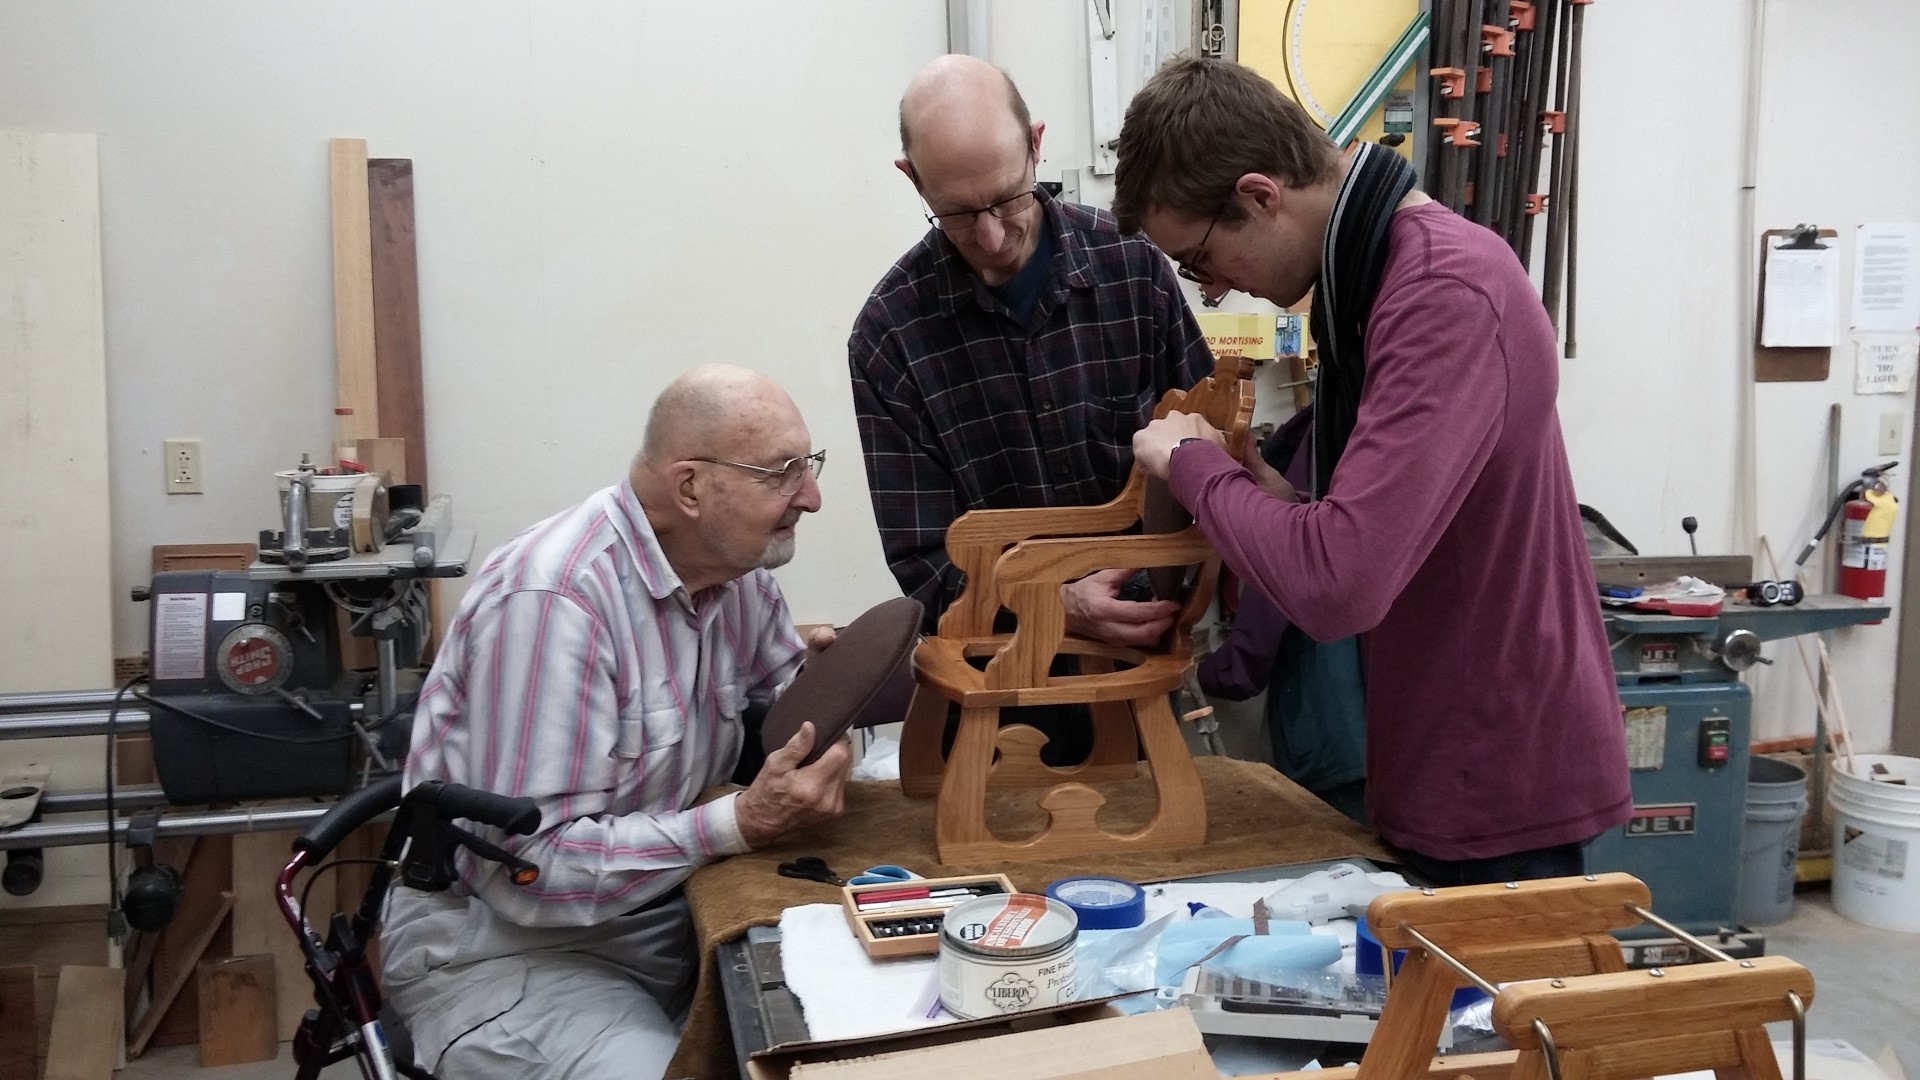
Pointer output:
55, 531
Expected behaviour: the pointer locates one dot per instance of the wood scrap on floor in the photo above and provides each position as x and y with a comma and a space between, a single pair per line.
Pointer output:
19, 1024
237, 1011
88, 1024
164, 995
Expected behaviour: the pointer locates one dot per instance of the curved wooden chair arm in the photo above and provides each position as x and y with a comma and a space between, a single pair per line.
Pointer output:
1014, 525
1061, 561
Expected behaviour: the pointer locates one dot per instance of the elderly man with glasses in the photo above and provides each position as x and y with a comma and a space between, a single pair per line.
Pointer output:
1007, 359
600, 664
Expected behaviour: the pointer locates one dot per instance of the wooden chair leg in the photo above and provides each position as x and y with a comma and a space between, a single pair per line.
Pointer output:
1116, 749
920, 760
1180, 819
960, 821
1756, 1058
1408, 1034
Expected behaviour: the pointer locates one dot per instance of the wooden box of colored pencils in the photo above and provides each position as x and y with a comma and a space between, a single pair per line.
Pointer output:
902, 918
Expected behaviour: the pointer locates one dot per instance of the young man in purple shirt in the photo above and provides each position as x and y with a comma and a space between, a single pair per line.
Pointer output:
1441, 525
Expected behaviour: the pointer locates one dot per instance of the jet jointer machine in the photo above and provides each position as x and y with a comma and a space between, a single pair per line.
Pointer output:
1689, 728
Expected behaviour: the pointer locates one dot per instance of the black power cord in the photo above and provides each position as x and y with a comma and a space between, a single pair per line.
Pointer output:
295, 740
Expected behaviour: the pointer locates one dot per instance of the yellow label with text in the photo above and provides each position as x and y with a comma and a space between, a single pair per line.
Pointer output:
1233, 333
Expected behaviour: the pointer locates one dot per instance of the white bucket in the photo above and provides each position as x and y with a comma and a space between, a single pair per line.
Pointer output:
1876, 842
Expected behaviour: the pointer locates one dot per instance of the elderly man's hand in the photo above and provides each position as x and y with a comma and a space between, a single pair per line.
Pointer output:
785, 796
1094, 610
1153, 445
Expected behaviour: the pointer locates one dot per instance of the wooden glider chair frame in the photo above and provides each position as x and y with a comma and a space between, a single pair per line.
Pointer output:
1018, 560
1581, 1015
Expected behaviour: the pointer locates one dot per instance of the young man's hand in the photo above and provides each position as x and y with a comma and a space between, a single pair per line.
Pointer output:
1153, 445
1094, 610
785, 796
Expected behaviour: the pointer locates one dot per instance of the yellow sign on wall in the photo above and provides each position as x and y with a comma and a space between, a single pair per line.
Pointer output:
1233, 333
1320, 52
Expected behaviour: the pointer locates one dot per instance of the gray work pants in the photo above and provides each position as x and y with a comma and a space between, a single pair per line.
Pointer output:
486, 999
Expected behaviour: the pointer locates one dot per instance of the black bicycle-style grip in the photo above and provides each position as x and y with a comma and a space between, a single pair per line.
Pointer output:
517, 816
347, 815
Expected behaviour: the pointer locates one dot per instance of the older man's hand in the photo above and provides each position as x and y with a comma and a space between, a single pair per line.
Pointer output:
1153, 445
1094, 610
786, 796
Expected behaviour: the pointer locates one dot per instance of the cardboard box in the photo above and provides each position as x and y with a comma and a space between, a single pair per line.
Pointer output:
1083, 1041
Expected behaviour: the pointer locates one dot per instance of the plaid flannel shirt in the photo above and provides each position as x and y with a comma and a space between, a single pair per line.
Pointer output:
962, 408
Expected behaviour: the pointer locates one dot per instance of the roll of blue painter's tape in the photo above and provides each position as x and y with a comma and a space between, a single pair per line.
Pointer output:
1102, 903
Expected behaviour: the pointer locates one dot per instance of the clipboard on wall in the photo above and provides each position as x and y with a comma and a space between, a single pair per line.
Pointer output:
1806, 363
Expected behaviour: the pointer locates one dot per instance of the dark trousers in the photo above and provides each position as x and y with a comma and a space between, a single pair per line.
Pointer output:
1561, 860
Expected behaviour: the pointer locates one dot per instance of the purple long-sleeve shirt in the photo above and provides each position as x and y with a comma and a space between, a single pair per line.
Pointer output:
1450, 540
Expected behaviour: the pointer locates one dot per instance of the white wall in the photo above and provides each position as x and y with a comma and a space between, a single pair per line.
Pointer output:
610, 192
607, 194
1650, 403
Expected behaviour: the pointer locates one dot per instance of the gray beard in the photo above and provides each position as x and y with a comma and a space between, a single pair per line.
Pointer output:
778, 553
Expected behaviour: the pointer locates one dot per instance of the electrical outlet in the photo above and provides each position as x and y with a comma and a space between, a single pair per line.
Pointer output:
183, 467
1891, 444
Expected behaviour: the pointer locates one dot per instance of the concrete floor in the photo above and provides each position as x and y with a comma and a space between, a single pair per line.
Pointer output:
1868, 995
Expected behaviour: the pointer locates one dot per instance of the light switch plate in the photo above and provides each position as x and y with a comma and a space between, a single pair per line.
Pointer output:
1891, 430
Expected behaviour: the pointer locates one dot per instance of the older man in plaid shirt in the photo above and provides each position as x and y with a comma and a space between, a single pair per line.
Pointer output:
1008, 358
600, 665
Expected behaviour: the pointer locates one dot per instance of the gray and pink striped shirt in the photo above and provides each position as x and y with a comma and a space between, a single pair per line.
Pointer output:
580, 673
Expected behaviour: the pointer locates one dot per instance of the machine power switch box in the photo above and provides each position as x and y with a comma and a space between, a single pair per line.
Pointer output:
1716, 738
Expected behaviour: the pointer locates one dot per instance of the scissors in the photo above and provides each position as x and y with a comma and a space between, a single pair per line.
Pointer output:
810, 868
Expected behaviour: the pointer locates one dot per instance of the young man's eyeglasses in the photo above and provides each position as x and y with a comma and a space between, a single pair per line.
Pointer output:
962, 220
785, 477
1191, 267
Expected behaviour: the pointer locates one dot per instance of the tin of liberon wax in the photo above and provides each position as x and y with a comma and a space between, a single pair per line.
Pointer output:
1002, 954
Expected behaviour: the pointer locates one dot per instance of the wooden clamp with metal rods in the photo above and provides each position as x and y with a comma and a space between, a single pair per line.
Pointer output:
1579, 1014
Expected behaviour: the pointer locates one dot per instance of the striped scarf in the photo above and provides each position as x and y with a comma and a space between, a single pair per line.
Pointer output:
1352, 258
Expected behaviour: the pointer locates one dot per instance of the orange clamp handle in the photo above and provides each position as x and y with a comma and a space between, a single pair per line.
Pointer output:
1460, 131
1556, 121
1536, 203
1521, 13
1484, 83
1453, 81
1497, 39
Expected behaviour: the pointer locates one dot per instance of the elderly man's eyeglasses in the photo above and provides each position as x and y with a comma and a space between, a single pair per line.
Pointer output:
1192, 267
962, 220
785, 477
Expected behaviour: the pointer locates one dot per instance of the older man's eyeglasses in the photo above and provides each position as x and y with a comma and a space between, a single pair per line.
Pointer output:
785, 477
1192, 267
962, 220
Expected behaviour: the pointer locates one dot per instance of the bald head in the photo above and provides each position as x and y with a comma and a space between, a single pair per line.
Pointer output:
961, 104
712, 411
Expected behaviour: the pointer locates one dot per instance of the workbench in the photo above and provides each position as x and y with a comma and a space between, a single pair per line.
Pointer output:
762, 1012
1256, 818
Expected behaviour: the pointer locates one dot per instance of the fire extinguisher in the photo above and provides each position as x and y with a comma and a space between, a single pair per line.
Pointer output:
1866, 529
1866, 510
